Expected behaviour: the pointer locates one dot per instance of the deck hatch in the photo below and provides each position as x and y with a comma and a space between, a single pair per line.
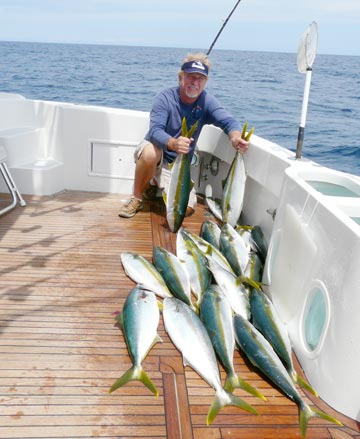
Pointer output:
111, 159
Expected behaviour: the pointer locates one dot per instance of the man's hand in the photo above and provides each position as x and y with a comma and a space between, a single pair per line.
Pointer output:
181, 145
238, 142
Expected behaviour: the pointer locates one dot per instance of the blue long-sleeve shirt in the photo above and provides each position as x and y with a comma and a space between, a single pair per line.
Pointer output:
168, 111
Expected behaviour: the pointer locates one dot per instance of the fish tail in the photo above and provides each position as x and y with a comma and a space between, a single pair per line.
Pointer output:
247, 137
231, 382
250, 389
306, 413
197, 306
223, 399
234, 382
135, 373
243, 133
302, 383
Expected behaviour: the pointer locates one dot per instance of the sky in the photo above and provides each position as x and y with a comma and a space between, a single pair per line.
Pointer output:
260, 25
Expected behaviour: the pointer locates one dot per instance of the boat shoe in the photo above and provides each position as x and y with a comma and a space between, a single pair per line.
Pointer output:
130, 208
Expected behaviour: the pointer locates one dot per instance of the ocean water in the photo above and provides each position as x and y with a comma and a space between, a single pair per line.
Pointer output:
264, 89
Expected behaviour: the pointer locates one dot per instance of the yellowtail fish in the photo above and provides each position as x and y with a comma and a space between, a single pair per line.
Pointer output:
233, 191
139, 321
210, 231
230, 206
233, 247
267, 320
143, 273
262, 355
254, 269
174, 274
189, 335
194, 263
177, 198
208, 249
217, 316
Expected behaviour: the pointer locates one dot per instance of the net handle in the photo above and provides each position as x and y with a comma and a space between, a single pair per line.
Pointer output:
305, 59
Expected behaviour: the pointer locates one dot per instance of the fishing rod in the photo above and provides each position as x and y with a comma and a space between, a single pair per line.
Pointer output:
222, 28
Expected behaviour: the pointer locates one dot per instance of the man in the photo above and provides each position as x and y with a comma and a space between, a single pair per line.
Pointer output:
164, 140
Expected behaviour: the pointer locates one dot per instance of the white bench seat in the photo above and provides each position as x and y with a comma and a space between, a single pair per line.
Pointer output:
22, 144
28, 160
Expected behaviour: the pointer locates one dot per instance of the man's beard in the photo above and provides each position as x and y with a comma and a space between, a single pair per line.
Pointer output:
191, 94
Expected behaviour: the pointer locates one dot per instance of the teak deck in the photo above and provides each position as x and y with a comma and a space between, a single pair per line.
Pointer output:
61, 282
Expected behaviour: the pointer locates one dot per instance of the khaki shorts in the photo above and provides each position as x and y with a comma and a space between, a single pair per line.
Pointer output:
161, 177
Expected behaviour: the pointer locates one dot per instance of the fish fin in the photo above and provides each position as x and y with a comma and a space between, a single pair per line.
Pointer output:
184, 130
135, 373
246, 227
157, 339
233, 382
302, 383
325, 416
250, 282
306, 413
242, 384
185, 362
243, 133
192, 129
223, 399
239, 281
197, 306
119, 320
160, 305
247, 137
208, 252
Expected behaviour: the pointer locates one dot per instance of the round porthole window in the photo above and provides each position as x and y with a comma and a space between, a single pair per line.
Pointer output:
316, 318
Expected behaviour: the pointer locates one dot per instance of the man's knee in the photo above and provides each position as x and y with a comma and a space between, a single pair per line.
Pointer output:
150, 154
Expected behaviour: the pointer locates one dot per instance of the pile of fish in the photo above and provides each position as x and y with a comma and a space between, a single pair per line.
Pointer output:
211, 300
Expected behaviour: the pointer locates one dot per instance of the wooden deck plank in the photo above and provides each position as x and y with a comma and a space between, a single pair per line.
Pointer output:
100, 429
61, 281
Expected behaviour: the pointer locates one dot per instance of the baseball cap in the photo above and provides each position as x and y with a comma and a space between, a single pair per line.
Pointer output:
195, 67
